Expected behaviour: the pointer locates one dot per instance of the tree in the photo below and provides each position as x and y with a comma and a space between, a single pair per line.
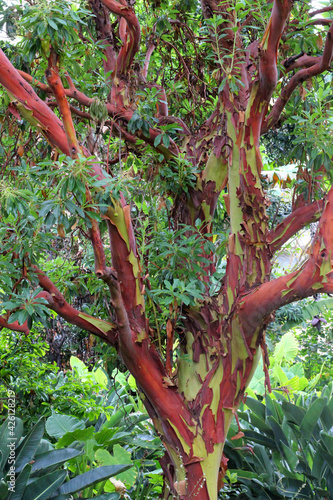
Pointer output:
216, 65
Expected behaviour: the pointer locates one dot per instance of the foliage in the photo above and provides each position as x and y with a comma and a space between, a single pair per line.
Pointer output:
41, 388
122, 436
286, 370
133, 204
287, 449
310, 321
32, 468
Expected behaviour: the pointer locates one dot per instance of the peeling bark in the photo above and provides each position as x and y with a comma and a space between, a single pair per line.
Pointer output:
223, 336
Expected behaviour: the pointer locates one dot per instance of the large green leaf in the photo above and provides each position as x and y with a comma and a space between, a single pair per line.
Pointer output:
58, 425
278, 432
77, 435
264, 462
293, 488
327, 418
20, 484
256, 437
10, 432
54, 457
273, 408
286, 349
291, 457
317, 465
328, 441
119, 456
3, 489
27, 449
311, 417
92, 477
43, 487
293, 412
257, 407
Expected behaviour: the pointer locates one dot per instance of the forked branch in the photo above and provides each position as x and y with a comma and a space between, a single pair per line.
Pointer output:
297, 220
129, 34
315, 276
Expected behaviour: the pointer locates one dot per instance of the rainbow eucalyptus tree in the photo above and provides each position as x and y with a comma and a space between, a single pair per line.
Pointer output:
171, 100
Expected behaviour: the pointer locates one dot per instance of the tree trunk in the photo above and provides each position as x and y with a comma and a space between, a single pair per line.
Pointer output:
221, 338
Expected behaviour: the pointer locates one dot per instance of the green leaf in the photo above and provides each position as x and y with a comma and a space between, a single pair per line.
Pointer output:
54, 457
20, 484
77, 435
317, 465
92, 477
157, 140
291, 457
43, 487
312, 416
166, 140
3, 489
10, 435
286, 349
328, 441
27, 449
257, 407
58, 425
256, 437
278, 432
293, 412
119, 456
52, 24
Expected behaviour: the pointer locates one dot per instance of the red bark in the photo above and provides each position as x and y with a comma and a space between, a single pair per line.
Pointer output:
222, 336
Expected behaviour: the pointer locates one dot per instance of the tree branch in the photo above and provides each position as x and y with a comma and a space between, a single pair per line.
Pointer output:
320, 22
31, 107
302, 75
269, 47
151, 47
315, 276
300, 61
294, 222
57, 302
105, 34
113, 111
130, 35
57, 88
15, 327
320, 11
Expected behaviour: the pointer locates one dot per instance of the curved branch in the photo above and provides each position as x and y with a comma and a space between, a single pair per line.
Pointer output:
269, 47
315, 276
320, 11
293, 223
151, 47
31, 107
15, 327
57, 88
302, 75
300, 61
130, 35
319, 22
113, 111
105, 35
57, 302
149, 53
